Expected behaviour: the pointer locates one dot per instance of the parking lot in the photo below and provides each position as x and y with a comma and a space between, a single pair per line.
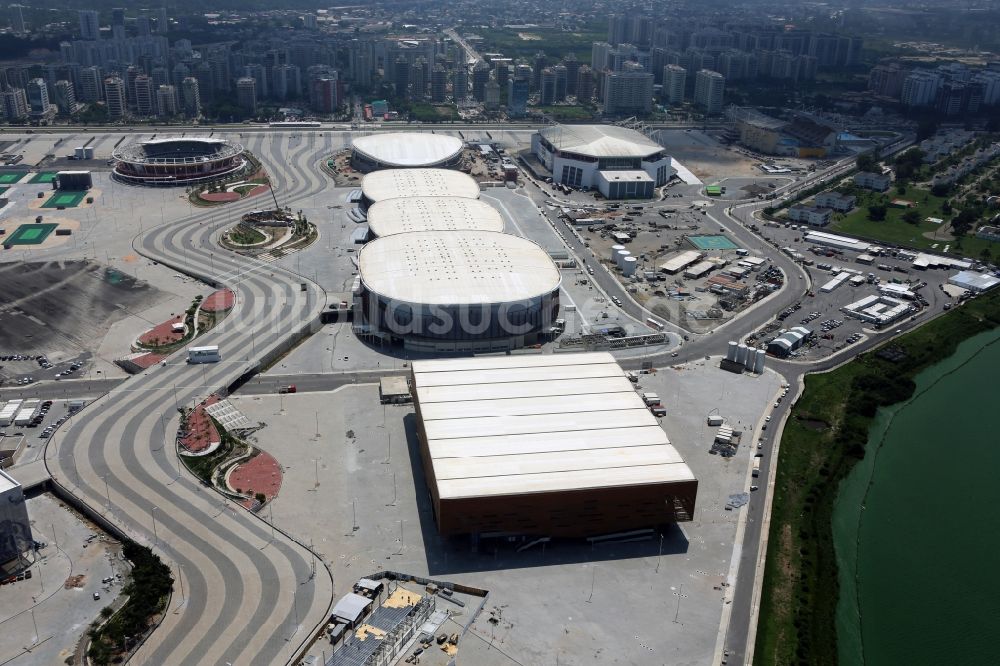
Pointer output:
822, 311
77, 571
25, 442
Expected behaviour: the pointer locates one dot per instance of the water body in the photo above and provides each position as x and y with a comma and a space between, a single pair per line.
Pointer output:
918, 563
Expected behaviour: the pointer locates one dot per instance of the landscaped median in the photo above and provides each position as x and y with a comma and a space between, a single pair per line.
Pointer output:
823, 438
147, 591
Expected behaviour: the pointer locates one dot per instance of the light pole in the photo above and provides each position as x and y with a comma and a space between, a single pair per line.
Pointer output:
107, 490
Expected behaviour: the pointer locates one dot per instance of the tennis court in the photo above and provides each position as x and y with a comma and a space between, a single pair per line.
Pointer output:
30, 234
712, 242
64, 199
11, 177
43, 177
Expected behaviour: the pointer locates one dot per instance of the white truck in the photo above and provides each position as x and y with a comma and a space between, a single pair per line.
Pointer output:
651, 399
209, 354
756, 468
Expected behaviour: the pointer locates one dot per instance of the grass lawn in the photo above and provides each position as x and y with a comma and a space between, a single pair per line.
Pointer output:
554, 43
893, 229
822, 440
566, 112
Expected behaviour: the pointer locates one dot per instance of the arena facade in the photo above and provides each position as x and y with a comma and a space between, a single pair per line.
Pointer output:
620, 163
456, 291
405, 150
178, 161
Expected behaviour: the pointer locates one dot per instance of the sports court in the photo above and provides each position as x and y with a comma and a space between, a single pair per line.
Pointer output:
43, 177
64, 199
11, 177
712, 242
30, 234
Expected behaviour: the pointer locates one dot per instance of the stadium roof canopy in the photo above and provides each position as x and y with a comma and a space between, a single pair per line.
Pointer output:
394, 216
600, 141
392, 183
457, 268
408, 149
535, 424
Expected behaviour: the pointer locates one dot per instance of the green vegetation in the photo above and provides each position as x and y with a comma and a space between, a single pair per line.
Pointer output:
875, 219
553, 42
822, 440
147, 591
566, 112
246, 235
203, 466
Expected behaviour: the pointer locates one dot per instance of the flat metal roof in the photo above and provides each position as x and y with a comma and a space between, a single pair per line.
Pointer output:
408, 149
600, 140
396, 216
393, 183
7, 482
539, 423
456, 268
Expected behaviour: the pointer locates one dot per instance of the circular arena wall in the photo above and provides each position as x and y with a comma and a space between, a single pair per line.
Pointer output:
177, 161
458, 285
405, 150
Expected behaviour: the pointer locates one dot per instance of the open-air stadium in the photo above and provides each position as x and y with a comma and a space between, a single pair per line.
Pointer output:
177, 161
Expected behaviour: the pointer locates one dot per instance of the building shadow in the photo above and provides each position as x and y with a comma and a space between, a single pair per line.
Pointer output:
458, 554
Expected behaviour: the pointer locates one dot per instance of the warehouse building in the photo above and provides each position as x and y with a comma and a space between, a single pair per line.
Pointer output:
394, 183
554, 445
405, 150
679, 262
879, 309
456, 291
974, 282
404, 214
607, 158
789, 341
15, 528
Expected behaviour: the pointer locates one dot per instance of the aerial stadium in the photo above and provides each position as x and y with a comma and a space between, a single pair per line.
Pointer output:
548, 445
178, 161
405, 150
392, 183
455, 291
620, 163
403, 214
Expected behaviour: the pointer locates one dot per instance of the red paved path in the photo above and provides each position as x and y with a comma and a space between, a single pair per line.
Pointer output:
201, 432
163, 333
260, 474
219, 301
148, 360
260, 189
219, 196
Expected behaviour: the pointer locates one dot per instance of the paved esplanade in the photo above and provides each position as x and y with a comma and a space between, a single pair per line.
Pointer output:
248, 597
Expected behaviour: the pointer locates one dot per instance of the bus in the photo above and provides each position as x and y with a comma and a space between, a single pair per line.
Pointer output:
204, 354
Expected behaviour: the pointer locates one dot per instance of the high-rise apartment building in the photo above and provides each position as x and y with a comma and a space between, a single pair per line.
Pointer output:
166, 101
480, 75
628, 93
518, 89
90, 26
599, 54
439, 83
191, 97
585, 84
114, 94
562, 82
920, 88
709, 88
246, 94
91, 84
491, 99
65, 97
38, 97
145, 98
460, 83
15, 104
674, 80
547, 87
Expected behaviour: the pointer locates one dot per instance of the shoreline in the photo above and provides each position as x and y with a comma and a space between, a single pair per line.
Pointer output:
824, 438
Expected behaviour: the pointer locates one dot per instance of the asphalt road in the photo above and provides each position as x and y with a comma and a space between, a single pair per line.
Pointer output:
249, 595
